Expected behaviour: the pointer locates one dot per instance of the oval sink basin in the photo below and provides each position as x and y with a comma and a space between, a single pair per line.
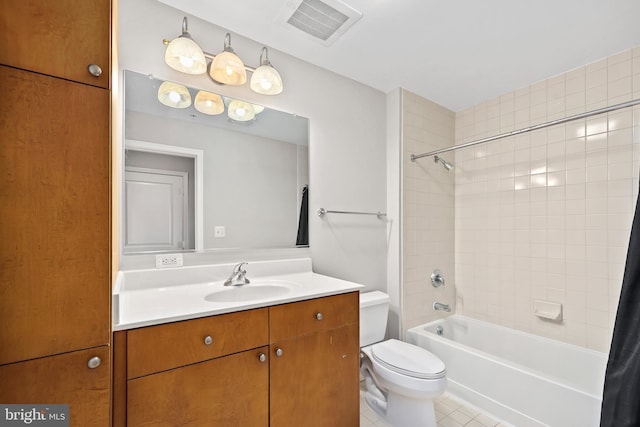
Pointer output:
248, 292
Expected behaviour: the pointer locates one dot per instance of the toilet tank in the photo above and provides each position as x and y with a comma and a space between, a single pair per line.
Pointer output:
374, 310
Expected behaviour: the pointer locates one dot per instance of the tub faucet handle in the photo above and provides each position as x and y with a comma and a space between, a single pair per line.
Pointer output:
437, 279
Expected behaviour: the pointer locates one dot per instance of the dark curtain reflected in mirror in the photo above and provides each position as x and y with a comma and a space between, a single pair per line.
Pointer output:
303, 223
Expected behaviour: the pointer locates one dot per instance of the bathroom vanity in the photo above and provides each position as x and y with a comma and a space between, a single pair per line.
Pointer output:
289, 360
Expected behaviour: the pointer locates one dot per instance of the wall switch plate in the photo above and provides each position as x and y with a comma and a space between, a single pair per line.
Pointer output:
168, 260
219, 231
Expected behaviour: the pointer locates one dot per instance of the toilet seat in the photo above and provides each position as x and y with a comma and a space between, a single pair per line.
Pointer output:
408, 359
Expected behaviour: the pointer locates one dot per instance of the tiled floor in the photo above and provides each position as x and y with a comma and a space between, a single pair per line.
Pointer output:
450, 412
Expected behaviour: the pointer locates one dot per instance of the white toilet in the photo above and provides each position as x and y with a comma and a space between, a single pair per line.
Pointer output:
401, 379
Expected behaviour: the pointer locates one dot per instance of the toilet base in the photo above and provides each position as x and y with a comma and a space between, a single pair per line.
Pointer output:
400, 411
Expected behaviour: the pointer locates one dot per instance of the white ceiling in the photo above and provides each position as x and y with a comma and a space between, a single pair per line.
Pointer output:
454, 52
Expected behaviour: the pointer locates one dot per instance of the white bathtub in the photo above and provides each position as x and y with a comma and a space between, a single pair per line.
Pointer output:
524, 379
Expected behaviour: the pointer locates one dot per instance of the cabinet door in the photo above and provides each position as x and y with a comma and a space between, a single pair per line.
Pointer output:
62, 379
315, 380
228, 391
54, 210
59, 38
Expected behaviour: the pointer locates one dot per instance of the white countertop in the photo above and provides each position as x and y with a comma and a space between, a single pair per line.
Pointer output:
151, 297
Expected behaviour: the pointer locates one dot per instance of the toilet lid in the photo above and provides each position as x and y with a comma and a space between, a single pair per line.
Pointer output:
408, 359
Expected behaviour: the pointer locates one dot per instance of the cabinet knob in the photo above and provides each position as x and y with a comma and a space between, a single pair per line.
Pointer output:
94, 70
94, 362
318, 316
279, 352
208, 340
262, 357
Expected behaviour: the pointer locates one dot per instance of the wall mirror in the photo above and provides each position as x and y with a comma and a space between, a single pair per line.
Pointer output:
195, 181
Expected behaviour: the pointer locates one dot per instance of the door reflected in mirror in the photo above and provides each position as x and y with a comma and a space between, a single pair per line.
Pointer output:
194, 181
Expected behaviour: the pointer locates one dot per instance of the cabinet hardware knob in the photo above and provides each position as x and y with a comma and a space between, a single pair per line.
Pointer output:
262, 357
279, 352
94, 362
319, 316
208, 340
94, 70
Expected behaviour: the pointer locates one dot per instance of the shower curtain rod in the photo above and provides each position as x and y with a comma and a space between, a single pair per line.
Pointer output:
414, 157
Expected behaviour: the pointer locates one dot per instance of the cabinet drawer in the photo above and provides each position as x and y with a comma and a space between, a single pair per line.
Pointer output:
162, 347
320, 314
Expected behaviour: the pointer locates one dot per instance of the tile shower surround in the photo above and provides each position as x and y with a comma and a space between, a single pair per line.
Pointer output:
542, 215
547, 214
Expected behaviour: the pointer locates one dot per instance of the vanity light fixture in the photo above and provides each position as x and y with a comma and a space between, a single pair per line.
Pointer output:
241, 111
174, 95
266, 79
227, 67
208, 103
183, 54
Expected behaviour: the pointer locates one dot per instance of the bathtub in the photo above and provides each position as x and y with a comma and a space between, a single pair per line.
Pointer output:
524, 379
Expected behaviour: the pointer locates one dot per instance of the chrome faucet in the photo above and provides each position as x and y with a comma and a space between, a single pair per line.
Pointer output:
439, 306
237, 278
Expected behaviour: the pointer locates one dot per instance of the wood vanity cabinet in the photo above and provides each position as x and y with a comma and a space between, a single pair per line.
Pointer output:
212, 371
55, 206
278, 366
315, 356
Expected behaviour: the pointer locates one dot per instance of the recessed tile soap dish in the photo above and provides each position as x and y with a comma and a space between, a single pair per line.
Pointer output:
548, 310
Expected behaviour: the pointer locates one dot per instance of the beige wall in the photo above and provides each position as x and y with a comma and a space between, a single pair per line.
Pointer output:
428, 210
347, 149
546, 215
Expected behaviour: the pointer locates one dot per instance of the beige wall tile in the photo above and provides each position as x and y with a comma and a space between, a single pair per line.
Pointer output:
562, 235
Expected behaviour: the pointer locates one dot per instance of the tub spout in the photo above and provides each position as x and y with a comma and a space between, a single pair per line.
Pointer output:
439, 306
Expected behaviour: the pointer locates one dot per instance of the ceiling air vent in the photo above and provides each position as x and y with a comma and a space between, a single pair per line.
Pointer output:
324, 21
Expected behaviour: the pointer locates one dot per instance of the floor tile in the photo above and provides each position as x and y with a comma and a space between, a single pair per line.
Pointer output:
486, 420
460, 417
450, 412
471, 412
449, 422
444, 407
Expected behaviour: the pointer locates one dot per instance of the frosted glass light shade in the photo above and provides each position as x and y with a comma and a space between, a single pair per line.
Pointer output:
241, 111
227, 68
174, 95
208, 103
184, 55
266, 80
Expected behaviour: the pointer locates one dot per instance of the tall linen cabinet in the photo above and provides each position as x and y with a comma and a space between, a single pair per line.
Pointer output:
55, 206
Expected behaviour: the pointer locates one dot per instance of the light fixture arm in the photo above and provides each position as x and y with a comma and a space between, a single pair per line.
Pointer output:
185, 25
264, 52
227, 43
185, 29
